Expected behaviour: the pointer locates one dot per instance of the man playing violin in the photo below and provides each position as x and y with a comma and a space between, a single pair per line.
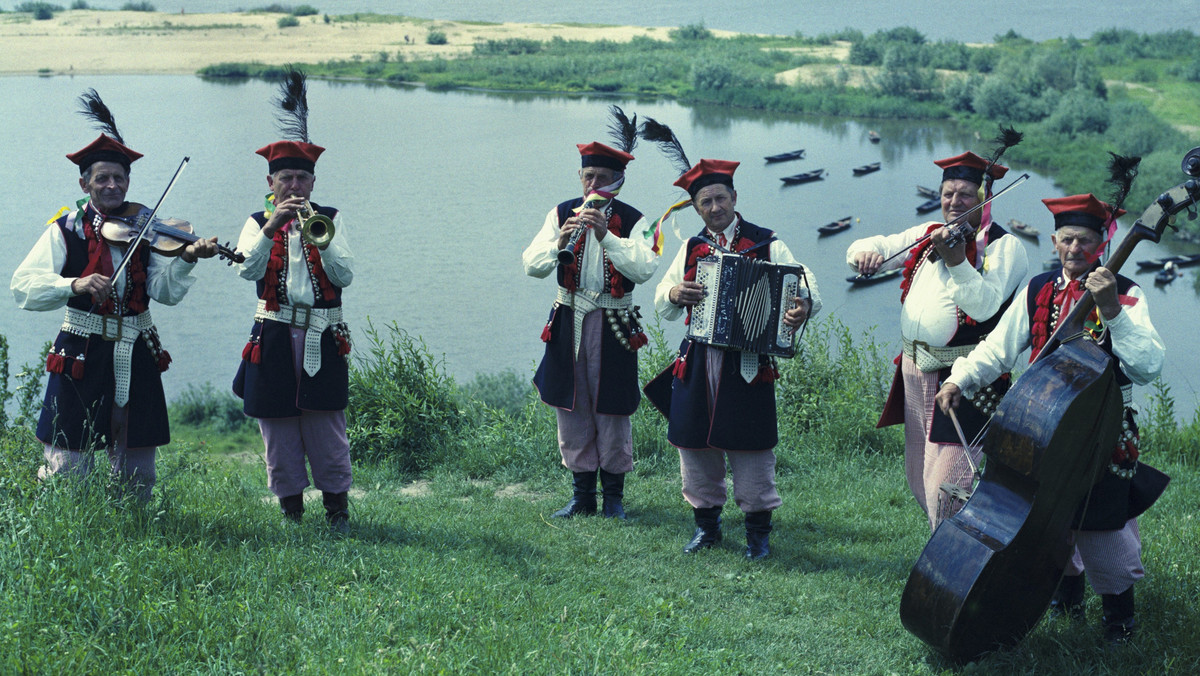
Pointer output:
294, 375
1106, 539
105, 386
951, 296
589, 370
721, 403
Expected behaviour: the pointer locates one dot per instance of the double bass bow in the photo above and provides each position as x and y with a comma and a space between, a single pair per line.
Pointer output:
988, 573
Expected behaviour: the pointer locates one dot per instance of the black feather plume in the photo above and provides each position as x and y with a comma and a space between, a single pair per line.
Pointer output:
1007, 138
662, 136
1121, 170
623, 130
92, 107
293, 105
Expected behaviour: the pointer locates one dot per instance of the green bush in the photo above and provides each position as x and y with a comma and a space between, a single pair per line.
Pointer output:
436, 38
288, 21
506, 391
305, 10
404, 410
507, 46
79, 4
137, 7
203, 406
691, 32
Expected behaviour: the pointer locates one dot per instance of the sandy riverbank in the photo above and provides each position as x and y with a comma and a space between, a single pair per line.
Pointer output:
103, 42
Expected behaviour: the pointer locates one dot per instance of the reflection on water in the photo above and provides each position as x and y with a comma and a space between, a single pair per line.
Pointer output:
442, 191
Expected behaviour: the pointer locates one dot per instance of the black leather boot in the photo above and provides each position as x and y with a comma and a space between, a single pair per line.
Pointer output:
583, 499
613, 488
758, 529
337, 511
1118, 617
708, 529
292, 507
1068, 598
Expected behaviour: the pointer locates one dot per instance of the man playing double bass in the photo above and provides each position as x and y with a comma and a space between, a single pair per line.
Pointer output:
1106, 541
105, 384
951, 296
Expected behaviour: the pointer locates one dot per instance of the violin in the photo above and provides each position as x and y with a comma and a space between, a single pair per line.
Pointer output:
168, 237
988, 573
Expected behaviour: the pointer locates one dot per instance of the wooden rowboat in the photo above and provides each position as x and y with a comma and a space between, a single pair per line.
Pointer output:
1022, 228
784, 157
866, 168
807, 176
929, 205
836, 226
878, 277
927, 193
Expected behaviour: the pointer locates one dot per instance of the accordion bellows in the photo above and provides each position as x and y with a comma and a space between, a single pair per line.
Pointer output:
744, 307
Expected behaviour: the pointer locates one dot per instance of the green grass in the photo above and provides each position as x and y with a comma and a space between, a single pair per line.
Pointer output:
457, 568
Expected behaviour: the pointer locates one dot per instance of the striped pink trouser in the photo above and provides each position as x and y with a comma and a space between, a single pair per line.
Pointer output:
588, 440
318, 436
703, 470
927, 464
1111, 558
134, 467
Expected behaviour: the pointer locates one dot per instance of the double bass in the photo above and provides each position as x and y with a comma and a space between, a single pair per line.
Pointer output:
988, 573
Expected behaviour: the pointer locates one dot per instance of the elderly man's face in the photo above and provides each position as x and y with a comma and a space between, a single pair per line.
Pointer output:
1075, 246
715, 203
106, 183
287, 183
594, 178
958, 197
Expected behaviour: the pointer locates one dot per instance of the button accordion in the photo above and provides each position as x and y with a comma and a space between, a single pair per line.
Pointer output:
745, 303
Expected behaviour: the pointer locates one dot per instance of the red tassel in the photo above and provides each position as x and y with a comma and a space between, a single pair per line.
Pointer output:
256, 354
639, 340
680, 368
343, 346
546, 333
164, 361
54, 363
77, 369
246, 350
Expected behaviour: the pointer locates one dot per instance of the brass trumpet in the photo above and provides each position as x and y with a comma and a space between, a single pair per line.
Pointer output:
316, 229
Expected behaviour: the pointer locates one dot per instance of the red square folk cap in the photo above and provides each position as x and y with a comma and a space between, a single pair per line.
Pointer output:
706, 173
969, 167
290, 155
599, 155
104, 149
1084, 210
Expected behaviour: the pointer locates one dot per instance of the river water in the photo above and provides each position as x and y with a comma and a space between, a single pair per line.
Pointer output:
442, 192
936, 19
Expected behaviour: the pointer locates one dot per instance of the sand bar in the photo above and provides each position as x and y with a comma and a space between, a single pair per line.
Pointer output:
119, 42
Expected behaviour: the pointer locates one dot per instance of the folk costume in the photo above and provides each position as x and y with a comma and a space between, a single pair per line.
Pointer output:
589, 370
105, 386
1106, 539
294, 373
945, 311
720, 404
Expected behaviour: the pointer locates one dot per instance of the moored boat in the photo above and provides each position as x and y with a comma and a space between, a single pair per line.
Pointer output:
835, 226
866, 168
927, 193
1023, 228
1179, 261
807, 176
784, 157
929, 205
873, 135
1168, 274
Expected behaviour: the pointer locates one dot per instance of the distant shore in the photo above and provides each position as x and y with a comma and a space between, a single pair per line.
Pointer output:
92, 42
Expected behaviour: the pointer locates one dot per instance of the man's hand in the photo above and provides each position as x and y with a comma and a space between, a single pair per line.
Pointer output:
799, 312
284, 212
952, 255
867, 262
686, 294
95, 285
1102, 284
594, 219
201, 248
950, 396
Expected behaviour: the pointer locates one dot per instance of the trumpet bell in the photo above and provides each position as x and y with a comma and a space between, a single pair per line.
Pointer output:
317, 230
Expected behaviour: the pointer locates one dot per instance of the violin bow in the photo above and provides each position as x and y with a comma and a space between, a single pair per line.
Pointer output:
141, 236
956, 221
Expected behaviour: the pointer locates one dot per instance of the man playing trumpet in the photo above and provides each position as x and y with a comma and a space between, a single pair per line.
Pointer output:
294, 375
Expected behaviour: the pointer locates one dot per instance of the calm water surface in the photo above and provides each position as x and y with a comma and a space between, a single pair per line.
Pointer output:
937, 19
442, 192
